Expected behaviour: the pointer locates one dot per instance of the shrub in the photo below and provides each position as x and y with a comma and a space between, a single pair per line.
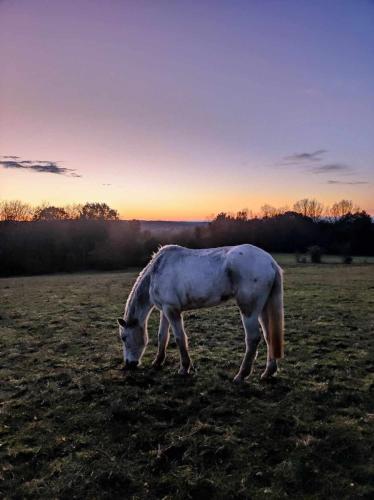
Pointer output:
315, 253
347, 259
345, 251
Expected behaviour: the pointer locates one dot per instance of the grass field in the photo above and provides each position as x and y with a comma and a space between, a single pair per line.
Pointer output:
75, 426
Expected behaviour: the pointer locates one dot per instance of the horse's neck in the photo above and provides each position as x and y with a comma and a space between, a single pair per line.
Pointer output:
139, 303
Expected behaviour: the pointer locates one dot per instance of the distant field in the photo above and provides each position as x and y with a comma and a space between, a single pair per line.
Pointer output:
75, 426
289, 258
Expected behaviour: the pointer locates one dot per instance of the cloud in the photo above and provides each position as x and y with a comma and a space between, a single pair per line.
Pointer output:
331, 167
297, 158
11, 157
352, 183
49, 167
312, 163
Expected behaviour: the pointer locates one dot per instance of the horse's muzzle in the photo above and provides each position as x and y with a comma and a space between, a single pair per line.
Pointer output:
131, 365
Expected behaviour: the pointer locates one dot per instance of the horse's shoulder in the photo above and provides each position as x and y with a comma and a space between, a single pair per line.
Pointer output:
165, 255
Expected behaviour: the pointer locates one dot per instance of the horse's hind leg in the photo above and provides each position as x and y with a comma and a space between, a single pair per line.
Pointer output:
176, 322
252, 338
271, 363
163, 340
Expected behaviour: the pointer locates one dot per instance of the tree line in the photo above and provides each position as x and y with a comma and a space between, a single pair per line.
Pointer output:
46, 239
16, 210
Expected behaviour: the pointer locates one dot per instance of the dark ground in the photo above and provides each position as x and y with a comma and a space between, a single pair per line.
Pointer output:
74, 426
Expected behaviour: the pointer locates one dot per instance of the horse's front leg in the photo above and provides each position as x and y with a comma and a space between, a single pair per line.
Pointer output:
163, 340
176, 321
252, 338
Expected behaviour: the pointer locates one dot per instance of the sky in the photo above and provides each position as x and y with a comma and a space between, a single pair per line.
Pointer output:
183, 109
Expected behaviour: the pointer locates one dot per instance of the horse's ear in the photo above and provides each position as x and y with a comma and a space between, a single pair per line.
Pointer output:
121, 322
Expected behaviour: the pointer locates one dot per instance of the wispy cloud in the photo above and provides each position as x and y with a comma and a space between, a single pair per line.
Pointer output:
11, 157
352, 183
305, 157
312, 162
49, 167
331, 167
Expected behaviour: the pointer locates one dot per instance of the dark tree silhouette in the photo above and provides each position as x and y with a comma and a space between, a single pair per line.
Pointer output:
98, 211
50, 213
90, 237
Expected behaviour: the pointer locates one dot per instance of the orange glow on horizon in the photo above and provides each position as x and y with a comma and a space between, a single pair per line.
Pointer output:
142, 199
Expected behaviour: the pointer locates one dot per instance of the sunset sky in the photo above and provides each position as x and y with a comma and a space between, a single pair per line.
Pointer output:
182, 109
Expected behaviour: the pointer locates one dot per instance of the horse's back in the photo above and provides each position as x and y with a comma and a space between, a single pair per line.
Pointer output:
191, 278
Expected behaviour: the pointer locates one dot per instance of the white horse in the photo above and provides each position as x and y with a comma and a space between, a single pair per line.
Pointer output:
177, 279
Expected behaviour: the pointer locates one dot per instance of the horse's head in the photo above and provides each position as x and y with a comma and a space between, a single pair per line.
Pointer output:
134, 341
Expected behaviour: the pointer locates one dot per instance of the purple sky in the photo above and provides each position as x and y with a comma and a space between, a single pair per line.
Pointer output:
182, 109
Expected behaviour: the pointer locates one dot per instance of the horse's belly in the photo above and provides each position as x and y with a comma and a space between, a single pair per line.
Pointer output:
196, 302
185, 299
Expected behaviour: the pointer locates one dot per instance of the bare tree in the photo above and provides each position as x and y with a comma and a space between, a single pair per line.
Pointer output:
14, 210
301, 207
315, 209
74, 211
242, 215
268, 211
342, 208
309, 208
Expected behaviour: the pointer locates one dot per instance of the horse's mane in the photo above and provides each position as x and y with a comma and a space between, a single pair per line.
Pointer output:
144, 277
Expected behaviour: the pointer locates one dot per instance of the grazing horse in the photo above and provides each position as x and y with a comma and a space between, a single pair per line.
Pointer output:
178, 279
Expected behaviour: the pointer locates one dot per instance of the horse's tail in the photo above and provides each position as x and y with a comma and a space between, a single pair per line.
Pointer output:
275, 315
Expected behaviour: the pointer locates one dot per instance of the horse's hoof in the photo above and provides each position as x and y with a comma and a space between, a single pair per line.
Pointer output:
238, 380
269, 373
270, 370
